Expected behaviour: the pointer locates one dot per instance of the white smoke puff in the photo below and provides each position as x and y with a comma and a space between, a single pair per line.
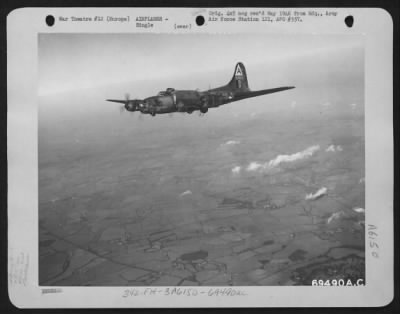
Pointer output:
232, 142
327, 104
253, 115
293, 104
236, 170
321, 192
188, 192
334, 216
253, 166
353, 106
339, 148
362, 180
359, 210
297, 156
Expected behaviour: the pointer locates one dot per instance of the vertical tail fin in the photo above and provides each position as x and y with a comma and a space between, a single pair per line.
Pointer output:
238, 83
239, 79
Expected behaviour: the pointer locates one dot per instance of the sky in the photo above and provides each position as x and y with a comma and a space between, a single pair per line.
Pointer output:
78, 72
72, 62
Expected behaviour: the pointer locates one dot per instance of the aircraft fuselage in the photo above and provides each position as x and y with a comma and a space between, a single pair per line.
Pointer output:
183, 101
172, 100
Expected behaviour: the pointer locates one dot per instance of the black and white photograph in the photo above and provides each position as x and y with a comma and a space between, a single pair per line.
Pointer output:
201, 159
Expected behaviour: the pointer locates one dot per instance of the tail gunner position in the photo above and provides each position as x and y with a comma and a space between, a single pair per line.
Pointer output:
172, 100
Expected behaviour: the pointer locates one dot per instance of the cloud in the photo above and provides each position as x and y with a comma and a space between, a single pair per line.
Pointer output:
297, 156
232, 142
333, 148
236, 170
253, 166
321, 192
359, 210
256, 166
335, 216
188, 192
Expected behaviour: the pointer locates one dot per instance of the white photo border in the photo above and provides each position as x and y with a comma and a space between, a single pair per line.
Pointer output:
23, 27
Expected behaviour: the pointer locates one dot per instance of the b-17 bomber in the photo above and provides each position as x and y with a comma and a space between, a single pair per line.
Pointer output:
172, 100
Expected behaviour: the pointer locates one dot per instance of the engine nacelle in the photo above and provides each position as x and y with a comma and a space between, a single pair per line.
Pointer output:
204, 109
134, 105
204, 103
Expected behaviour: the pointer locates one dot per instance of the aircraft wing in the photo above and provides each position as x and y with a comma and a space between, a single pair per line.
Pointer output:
118, 101
244, 95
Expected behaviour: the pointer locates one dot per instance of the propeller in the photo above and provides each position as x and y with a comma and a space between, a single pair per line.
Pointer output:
127, 101
127, 98
123, 108
131, 105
